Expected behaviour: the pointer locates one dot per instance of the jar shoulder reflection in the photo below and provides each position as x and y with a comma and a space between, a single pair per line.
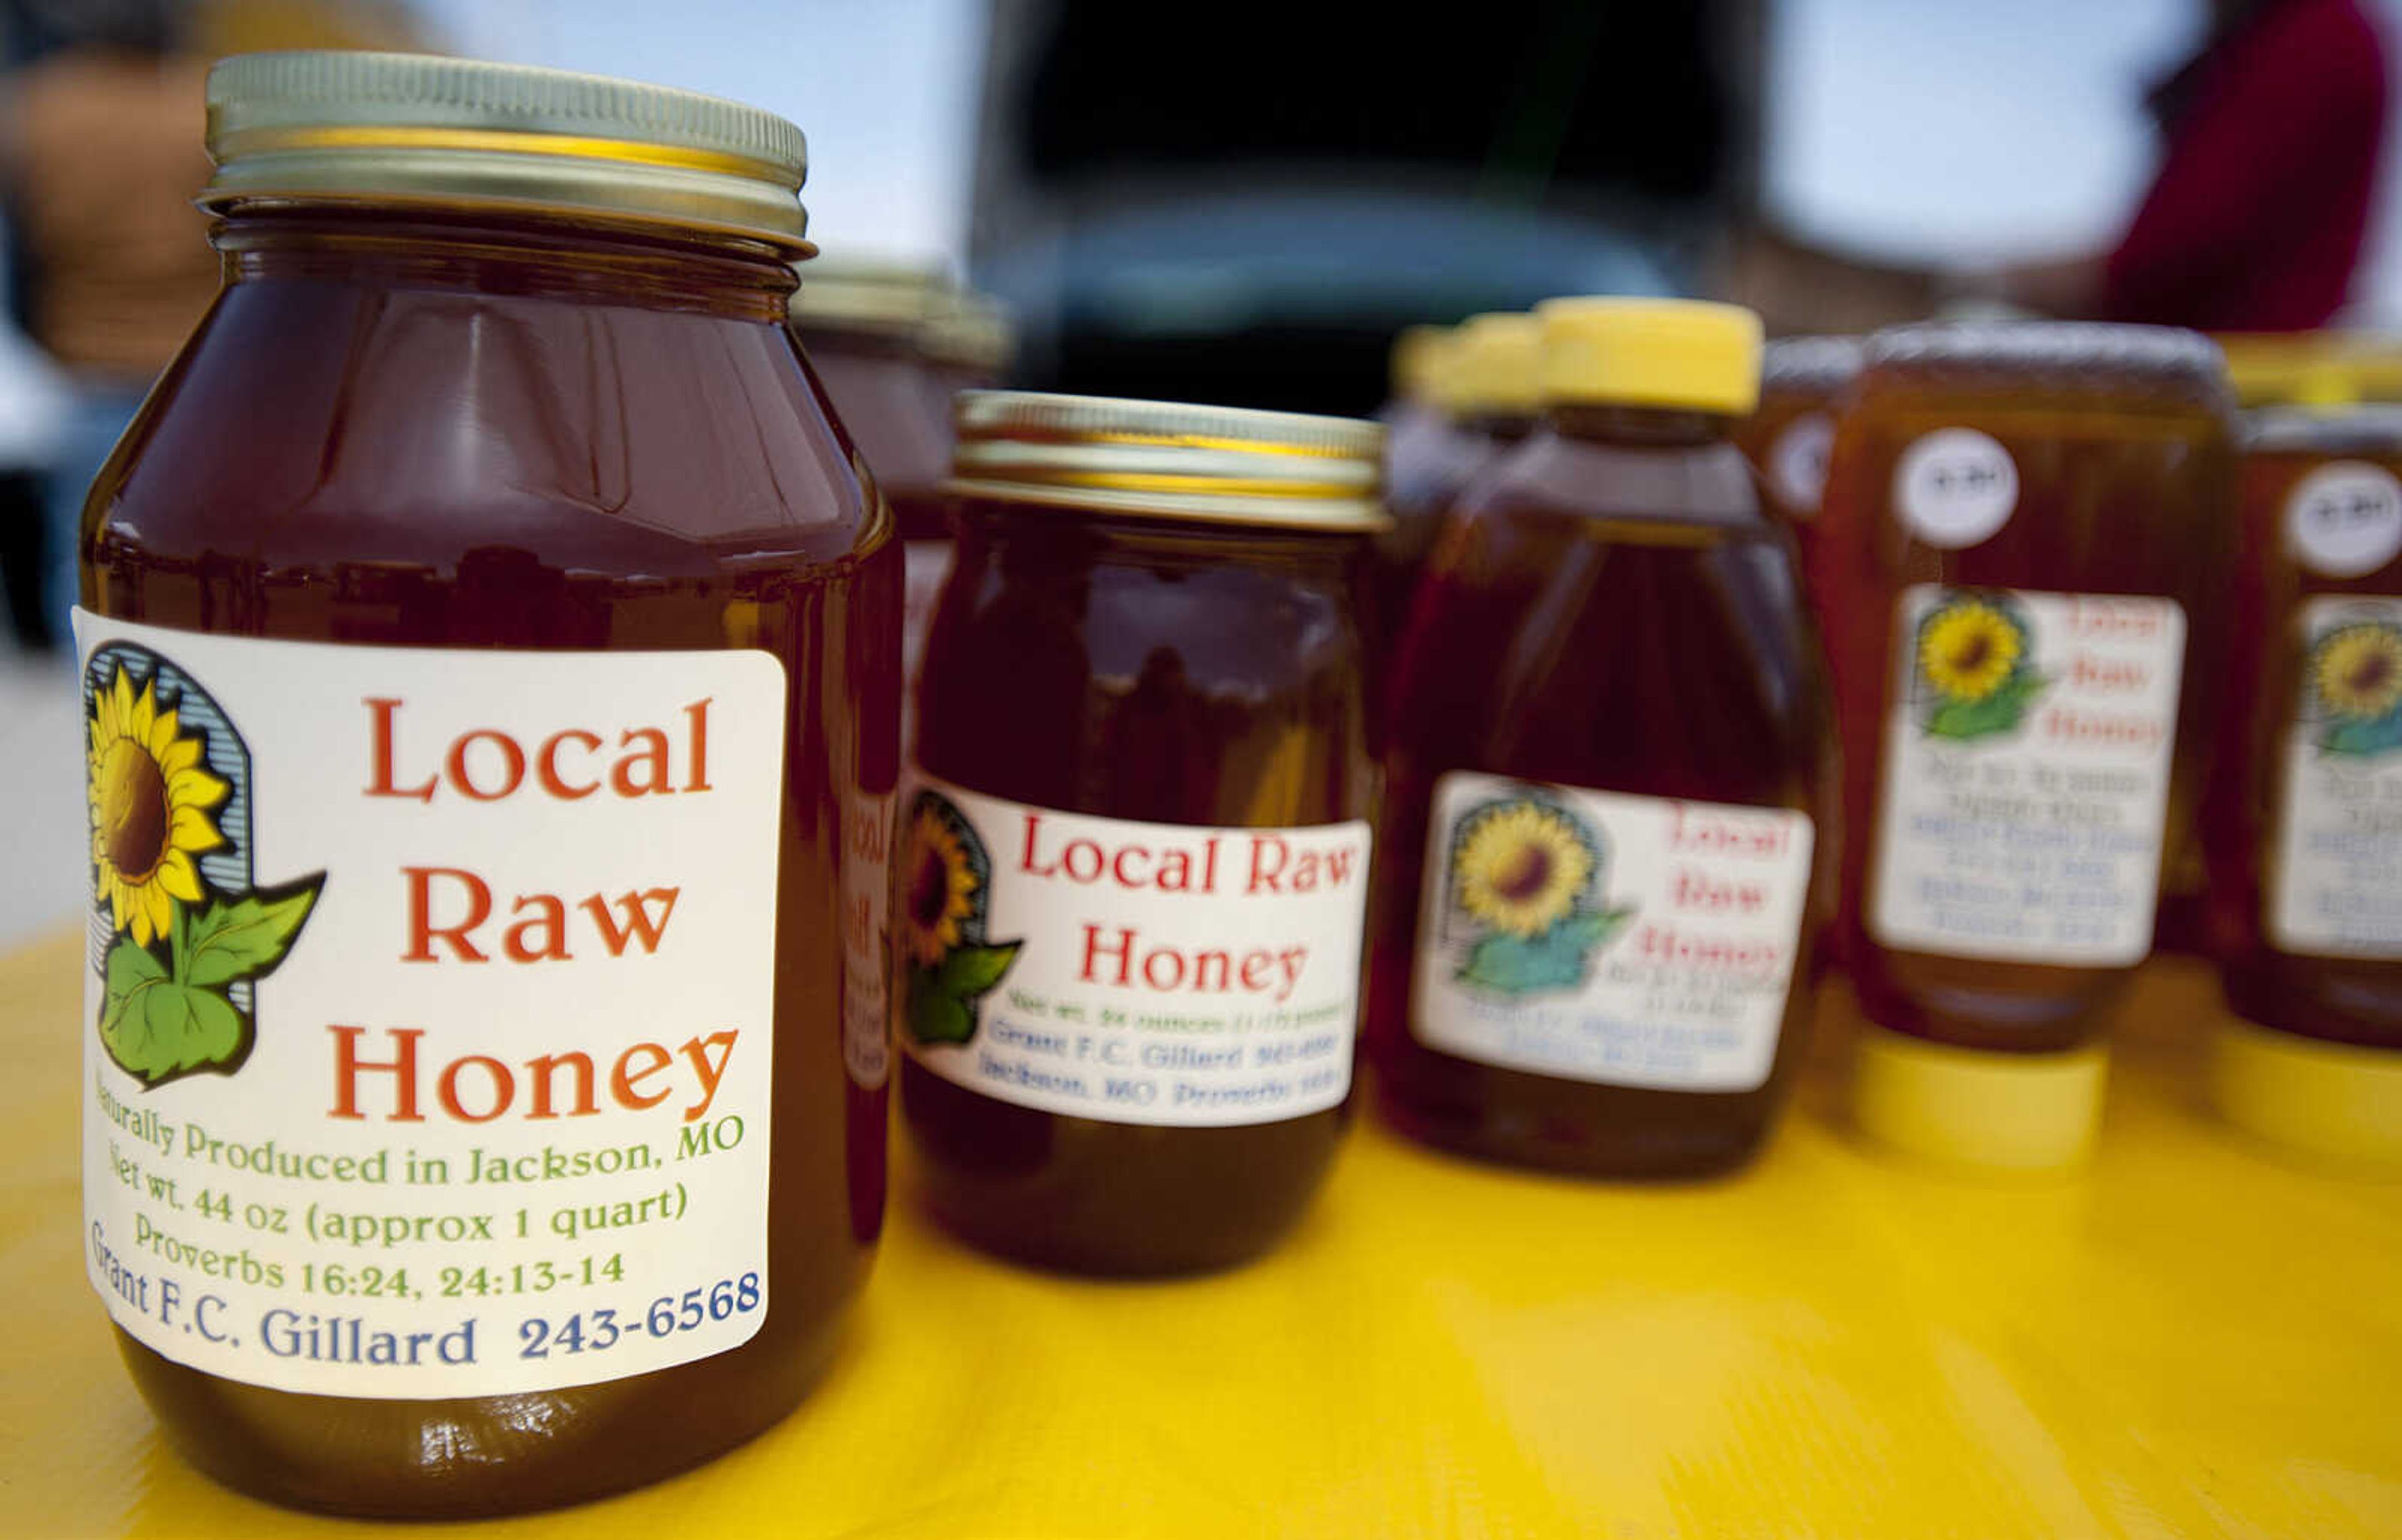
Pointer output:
1133, 669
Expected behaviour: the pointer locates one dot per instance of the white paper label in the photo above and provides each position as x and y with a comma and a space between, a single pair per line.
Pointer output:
1797, 463
2344, 519
1956, 487
1591, 936
428, 1024
2026, 775
2335, 886
1128, 972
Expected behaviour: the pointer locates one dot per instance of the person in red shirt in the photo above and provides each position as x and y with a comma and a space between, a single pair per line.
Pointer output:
2256, 218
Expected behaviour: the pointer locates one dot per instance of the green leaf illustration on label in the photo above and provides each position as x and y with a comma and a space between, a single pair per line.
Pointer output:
1556, 959
1973, 673
247, 938
944, 882
191, 935
1526, 873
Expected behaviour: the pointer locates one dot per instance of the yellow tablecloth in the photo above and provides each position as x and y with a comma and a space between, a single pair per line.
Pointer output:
2194, 1339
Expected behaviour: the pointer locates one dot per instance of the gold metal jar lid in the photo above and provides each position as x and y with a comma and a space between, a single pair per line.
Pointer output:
1168, 460
848, 292
416, 129
974, 333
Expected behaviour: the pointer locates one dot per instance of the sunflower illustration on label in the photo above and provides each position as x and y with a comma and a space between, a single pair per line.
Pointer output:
182, 934
946, 879
2329, 888
2355, 683
1975, 673
1526, 876
1606, 935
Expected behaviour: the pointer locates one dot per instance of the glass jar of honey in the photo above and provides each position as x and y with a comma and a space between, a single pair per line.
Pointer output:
1484, 383
1802, 380
490, 664
2303, 825
1414, 415
2045, 532
969, 343
1607, 782
866, 325
1133, 844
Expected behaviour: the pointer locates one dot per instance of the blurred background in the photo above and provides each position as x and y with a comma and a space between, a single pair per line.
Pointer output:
1247, 208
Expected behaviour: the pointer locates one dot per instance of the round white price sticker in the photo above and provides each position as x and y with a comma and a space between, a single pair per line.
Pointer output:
1797, 463
2345, 519
1956, 487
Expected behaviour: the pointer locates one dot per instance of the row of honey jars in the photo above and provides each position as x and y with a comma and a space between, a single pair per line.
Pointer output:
891, 343
2285, 716
1470, 395
1133, 866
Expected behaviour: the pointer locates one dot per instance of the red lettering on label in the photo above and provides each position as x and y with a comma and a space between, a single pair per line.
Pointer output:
2130, 621
402, 1067
547, 766
2103, 731
1714, 832
478, 1088
1209, 971
511, 759
697, 740
1277, 869
545, 1070
422, 932
1691, 887
537, 934
2086, 672
623, 1080
1665, 944
649, 747
502, 1089
638, 924
550, 918
489, 764
380, 775
1130, 866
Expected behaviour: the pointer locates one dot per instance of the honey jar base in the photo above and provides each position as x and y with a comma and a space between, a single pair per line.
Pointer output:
2333, 1101
486, 1457
1697, 1150
2001, 1113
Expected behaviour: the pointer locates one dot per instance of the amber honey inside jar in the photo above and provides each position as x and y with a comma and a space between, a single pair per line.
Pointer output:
1133, 851
1789, 435
2301, 826
1606, 784
490, 660
2034, 596
1483, 384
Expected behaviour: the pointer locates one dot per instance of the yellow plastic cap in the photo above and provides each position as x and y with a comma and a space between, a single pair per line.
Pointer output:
1418, 360
1496, 366
1997, 1112
2339, 1102
1683, 354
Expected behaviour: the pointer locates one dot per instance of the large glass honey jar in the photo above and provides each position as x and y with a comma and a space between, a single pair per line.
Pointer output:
490, 659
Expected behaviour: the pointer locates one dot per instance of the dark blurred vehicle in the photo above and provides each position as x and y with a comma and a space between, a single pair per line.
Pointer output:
1247, 209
